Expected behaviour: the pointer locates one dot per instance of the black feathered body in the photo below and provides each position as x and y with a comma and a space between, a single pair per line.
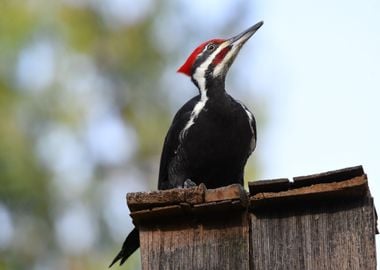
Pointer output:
212, 135
214, 149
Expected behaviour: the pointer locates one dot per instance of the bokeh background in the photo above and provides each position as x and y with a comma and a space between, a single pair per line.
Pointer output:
88, 89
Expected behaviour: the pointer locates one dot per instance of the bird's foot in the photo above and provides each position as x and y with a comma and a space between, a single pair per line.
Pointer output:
189, 184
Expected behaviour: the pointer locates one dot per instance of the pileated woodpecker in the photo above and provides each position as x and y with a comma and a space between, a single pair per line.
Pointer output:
212, 135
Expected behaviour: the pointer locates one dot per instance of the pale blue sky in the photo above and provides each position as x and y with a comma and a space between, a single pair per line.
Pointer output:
319, 65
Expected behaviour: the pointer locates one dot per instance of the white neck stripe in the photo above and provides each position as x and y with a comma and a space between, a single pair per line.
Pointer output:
200, 77
200, 73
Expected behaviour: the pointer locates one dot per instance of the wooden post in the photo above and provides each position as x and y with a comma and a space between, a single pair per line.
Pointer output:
324, 221
193, 228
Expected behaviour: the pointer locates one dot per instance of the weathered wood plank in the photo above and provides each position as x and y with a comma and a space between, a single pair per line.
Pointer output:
157, 213
146, 200
231, 192
283, 184
197, 195
329, 224
328, 177
328, 235
157, 207
272, 185
220, 243
357, 186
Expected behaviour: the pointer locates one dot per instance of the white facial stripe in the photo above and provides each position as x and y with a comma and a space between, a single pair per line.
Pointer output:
199, 74
199, 77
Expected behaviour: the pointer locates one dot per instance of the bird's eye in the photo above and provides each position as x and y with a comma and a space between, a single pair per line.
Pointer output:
211, 47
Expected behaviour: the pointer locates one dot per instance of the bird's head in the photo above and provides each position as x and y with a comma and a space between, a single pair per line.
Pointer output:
213, 58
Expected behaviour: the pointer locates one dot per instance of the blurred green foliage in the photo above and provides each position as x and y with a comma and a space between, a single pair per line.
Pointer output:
82, 42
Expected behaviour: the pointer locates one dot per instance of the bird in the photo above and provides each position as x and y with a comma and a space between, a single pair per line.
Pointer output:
212, 135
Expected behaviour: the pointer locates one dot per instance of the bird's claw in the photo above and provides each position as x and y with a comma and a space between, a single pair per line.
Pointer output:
189, 184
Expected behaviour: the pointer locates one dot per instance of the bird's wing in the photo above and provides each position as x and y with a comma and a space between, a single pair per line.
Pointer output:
252, 124
172, 141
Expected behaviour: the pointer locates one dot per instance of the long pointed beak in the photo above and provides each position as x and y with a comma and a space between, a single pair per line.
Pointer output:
230, 49
241, 38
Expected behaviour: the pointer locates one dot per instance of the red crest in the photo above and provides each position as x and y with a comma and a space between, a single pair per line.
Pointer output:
186, 67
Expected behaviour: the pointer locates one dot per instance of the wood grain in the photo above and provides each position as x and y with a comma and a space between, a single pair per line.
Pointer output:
328, 235
322, 221
355, 187
147, 200
220, 243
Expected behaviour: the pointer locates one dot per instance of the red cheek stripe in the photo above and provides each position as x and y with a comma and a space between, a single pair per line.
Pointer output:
220, 56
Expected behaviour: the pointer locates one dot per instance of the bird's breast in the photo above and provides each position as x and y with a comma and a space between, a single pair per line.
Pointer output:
220, 128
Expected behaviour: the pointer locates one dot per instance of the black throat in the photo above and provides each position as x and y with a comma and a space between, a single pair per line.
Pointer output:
215, 86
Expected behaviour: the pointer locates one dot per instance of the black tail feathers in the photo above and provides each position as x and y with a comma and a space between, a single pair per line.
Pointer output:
131, 243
